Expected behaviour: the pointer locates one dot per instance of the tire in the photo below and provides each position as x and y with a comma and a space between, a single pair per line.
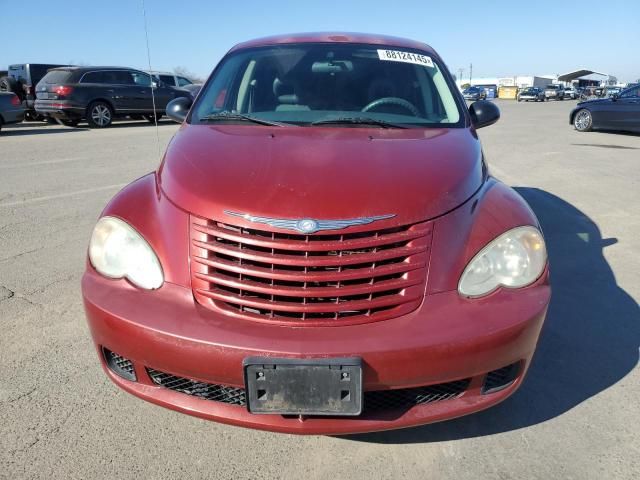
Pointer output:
99, 114
583, 120
10, 84
152, 118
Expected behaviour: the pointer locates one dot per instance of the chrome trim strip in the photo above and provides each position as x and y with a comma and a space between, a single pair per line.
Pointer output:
308, 225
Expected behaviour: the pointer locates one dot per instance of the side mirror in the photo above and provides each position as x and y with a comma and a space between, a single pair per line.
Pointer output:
615, 96
178, 108
483, 113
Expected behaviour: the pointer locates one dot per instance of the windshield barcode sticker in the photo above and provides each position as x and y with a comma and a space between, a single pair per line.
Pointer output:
407, 57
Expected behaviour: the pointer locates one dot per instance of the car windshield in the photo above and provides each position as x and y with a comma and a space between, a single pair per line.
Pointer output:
349, 85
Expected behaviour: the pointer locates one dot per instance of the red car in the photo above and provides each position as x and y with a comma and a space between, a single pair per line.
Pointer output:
322, 249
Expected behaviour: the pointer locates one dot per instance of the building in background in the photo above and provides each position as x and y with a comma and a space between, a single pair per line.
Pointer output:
579, 78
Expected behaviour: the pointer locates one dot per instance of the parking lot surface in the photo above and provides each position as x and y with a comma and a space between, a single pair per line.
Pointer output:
576, 416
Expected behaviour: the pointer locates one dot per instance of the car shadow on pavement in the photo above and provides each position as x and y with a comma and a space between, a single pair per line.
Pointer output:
589, 342
39, 130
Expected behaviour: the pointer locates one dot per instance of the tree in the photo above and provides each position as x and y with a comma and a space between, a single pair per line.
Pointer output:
185, 72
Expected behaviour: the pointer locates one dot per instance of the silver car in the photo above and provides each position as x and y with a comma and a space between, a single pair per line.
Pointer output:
11, 109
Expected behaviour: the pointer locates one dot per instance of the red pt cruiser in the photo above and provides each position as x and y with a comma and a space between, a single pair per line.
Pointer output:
322, 249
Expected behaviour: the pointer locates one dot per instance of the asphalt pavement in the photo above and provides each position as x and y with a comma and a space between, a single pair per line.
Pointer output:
575, 417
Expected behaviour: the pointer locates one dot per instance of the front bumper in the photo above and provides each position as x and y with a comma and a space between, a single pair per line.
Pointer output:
13, 116
61, 109
447, 339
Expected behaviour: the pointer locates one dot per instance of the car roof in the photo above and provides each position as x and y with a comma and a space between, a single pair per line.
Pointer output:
92, 68
334, 37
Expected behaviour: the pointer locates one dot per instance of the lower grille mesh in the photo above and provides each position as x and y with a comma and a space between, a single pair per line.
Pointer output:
120, 365
408, 397
501, 378
208, 391
375, 401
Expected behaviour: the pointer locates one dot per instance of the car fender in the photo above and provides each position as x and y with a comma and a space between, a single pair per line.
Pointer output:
459, 235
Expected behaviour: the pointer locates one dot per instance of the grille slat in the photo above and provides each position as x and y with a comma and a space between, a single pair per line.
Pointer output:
308, 291
353, 277
280, 258
306, 245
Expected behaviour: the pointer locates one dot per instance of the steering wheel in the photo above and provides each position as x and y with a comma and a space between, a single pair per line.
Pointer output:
400, 102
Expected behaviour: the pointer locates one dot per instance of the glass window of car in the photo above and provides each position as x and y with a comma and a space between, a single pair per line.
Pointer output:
91, 77
167, 80
56, 76
141, 79
633, 92
304, 83
184, 81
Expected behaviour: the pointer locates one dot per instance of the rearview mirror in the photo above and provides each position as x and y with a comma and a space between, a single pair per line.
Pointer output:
483, 113
178, 108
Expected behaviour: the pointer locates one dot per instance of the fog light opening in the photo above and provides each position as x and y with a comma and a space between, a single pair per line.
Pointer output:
121, 366
501, 378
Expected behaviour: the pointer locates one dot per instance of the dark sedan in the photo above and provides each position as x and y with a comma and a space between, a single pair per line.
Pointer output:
11, 109
474, 93
619, 112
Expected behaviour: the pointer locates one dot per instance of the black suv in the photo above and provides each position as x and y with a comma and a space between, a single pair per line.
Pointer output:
99, 94
21, 79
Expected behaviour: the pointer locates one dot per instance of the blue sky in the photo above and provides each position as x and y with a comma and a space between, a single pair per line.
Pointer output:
500, 38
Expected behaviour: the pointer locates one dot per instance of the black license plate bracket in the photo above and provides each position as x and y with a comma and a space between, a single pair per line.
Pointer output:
316, 386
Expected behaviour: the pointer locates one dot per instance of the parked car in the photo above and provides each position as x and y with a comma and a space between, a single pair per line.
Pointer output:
274, 267
474, 93
100, 94
554, 92
571, 93
532, 93
618, 112
193, 89
21, 79
171, 79
11, 109
611, 91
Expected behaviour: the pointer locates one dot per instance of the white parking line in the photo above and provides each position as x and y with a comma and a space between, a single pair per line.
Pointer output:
44, 162
62, 195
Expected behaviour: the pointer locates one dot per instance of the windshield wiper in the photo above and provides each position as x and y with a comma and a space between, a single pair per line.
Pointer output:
358, 121
226, 115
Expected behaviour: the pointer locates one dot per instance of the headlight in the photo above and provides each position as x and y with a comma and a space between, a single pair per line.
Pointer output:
515, 259
116, 250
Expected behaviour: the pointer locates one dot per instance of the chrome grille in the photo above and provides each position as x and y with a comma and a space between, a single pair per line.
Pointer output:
309, 279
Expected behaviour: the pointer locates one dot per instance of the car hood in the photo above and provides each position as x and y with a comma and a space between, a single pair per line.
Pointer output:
321, 172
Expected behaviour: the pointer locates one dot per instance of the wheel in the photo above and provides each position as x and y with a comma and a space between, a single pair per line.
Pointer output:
68, 122
583, 121
153, 118
99, 114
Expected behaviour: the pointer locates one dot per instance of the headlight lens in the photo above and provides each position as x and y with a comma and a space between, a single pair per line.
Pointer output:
116, 250
515, 259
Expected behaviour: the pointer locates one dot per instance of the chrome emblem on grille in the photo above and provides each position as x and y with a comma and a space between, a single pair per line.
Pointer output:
308, 225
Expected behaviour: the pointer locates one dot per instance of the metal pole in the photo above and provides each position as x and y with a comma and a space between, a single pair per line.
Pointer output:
470, 72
